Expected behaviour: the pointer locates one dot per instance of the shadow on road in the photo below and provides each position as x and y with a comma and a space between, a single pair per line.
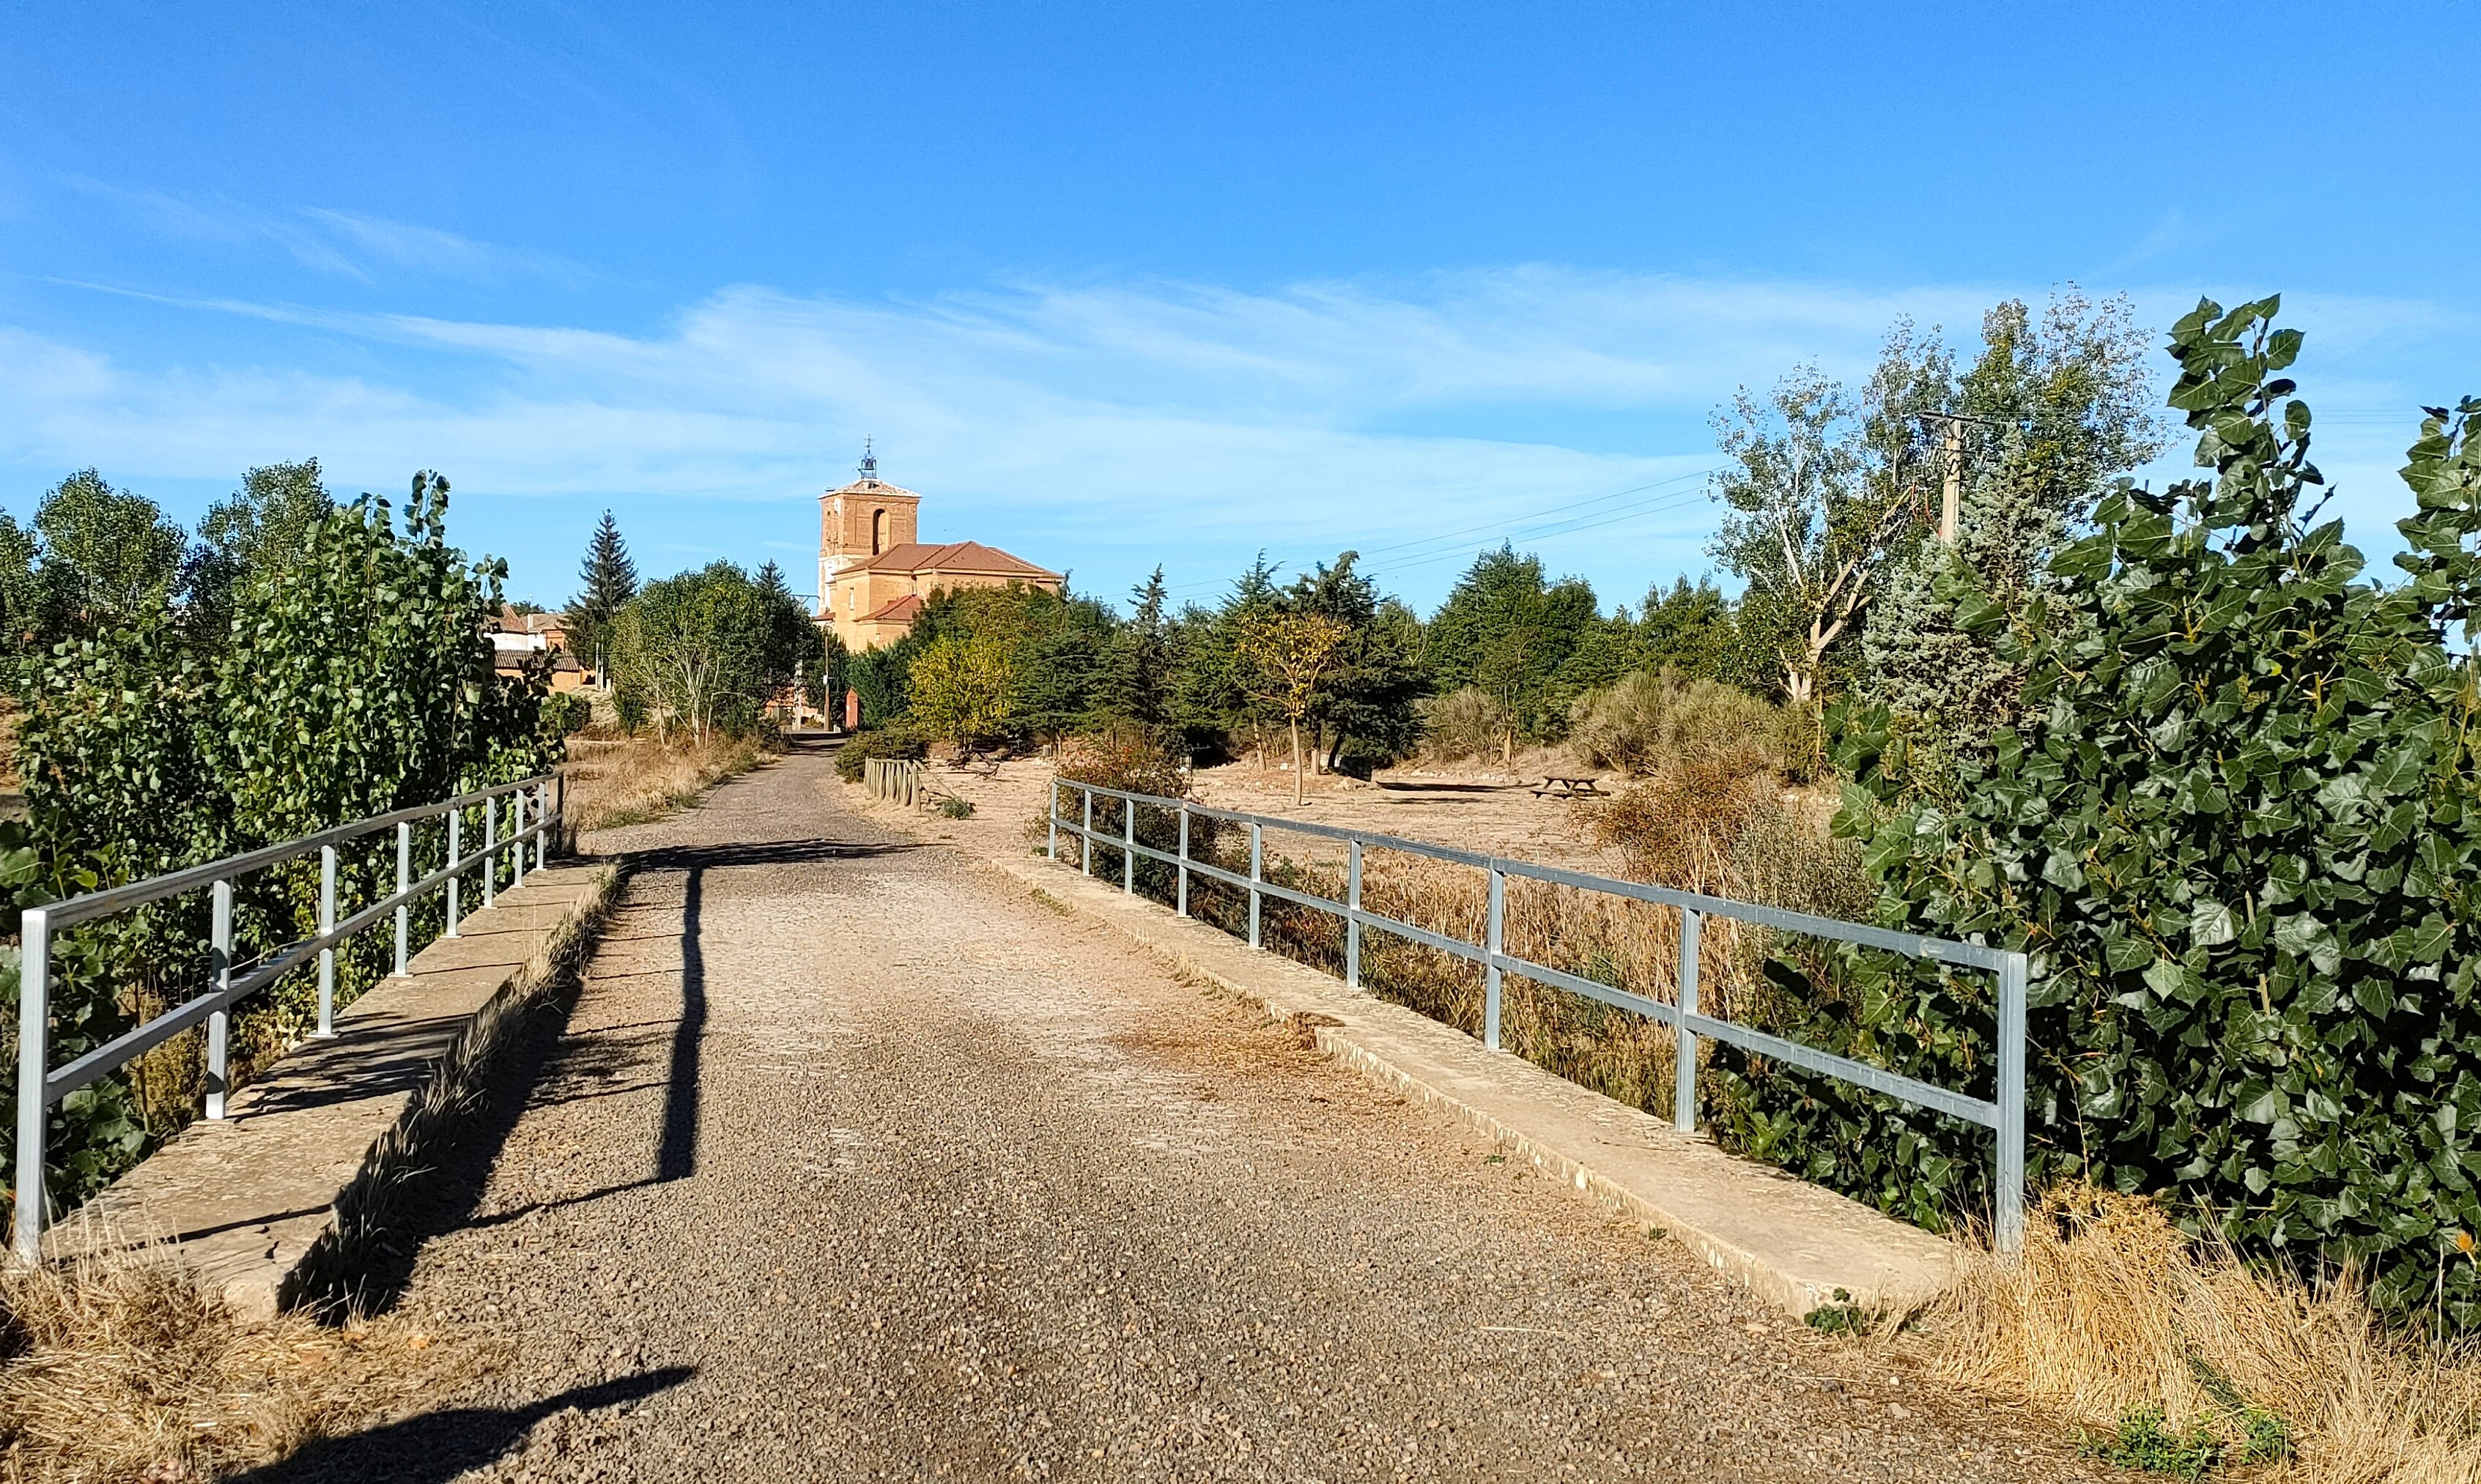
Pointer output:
438, 1446
676, 1158
772, 852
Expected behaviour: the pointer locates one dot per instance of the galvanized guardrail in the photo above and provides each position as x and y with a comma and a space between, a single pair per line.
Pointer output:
2002, 1115
902, 779
39, 1087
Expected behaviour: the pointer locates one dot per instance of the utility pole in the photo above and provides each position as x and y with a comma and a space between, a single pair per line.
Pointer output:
1951, 496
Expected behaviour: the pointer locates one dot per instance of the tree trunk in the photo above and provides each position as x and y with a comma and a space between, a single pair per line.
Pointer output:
1298, 795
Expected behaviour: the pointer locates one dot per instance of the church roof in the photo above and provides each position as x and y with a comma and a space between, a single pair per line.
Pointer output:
916, 556
893, 611
870, 484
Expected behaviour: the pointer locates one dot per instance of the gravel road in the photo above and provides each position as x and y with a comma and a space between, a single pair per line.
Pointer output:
850, 1161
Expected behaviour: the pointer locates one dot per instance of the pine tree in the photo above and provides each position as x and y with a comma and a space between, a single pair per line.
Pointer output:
611, 580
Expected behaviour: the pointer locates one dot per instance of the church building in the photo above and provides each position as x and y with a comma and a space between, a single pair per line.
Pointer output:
874, 573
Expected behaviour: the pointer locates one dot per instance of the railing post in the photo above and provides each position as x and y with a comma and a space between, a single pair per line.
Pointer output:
327, 954
1491, 943
516, 838
455, 875
1684, 1077
219, 980
1085, 841
542, 818
34, 1058
1256, 874
404, 881
1051, 818
1183, 907
1128, 846
490, 851
1352, 914
2010, 1195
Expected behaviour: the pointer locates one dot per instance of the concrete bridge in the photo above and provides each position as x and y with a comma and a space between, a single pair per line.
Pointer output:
849, 1158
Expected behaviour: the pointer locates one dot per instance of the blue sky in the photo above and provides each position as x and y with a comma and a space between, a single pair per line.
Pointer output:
1120, 285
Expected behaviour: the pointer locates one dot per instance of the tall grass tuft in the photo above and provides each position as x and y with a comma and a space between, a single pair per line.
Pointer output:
121, 1366
2140, 1334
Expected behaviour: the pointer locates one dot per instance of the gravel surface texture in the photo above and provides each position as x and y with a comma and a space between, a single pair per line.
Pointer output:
850, 1161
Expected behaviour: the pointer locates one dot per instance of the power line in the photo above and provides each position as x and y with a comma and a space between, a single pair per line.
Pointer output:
1518, 528
1657, 508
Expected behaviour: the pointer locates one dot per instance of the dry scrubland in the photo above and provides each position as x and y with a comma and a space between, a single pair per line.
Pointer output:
616, 779
2161, 1354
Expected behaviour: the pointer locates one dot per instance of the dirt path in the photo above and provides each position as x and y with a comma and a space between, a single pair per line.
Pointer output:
851, 1163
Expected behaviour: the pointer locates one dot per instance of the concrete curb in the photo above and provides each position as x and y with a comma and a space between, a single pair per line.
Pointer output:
280, 1205
1800, 1246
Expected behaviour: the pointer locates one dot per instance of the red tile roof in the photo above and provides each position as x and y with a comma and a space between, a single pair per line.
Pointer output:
952, 557
894, 610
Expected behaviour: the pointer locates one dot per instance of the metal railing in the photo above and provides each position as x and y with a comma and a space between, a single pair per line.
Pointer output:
39, 1087
2003, 1114
902, 779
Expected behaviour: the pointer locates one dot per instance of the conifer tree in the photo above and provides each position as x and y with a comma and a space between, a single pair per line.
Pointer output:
611, 580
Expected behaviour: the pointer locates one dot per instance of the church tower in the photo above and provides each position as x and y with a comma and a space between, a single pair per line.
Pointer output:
866, 518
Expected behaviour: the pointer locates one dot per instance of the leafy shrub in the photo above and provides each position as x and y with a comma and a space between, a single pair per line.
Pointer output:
566, 714
353, 679
1466, 723
886, 742
1643, 721
2234, 840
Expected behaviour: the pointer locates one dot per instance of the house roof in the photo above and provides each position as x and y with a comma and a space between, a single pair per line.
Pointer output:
518, 659
952, 557
893, 611
513, 622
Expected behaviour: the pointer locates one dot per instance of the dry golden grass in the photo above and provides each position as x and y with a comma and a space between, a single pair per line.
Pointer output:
2113, 1312
617, 780
122, 1368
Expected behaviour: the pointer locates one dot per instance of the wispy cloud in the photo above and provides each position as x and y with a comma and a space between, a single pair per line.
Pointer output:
1114, 420
349, 244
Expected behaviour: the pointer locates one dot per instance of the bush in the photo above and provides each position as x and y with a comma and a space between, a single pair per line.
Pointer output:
1644, 720
2235, 840
566, 714
149, 747
887, 742
1466, 723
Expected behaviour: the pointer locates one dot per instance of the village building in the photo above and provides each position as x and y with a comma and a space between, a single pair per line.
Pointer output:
519, 640
874, 573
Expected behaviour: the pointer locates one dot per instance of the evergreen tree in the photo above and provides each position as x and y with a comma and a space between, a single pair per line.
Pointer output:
611, 580
1139, 664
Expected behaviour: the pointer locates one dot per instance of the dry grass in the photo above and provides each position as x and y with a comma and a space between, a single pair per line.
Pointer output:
618, 780
2113, 1313
122, 1368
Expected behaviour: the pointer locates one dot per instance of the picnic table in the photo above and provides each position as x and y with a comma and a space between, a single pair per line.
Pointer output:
1557, 786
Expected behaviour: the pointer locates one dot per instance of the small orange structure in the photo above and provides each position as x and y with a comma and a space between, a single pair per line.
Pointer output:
874, 573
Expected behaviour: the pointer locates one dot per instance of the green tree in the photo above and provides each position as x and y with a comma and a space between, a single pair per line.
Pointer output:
1366, 710
108, 555
1506, 629
1291, 658
2059, 407
696, 651
1139, 664
609, 581
964, 687
264, 525
1817, 503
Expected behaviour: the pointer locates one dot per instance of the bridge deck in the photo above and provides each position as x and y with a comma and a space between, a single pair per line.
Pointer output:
855, 1162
